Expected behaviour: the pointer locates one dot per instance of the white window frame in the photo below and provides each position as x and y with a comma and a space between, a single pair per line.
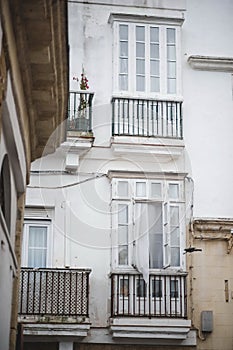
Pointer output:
163, 26
37, 223
179, 202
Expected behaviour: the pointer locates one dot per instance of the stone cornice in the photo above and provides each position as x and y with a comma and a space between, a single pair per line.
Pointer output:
211, 63
177, 19
219, 226
214, 230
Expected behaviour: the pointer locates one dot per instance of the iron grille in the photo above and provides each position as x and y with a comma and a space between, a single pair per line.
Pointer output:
164, 296
147, 117
58, 292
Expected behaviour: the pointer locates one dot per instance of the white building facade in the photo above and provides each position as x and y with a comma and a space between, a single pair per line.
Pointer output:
115, 219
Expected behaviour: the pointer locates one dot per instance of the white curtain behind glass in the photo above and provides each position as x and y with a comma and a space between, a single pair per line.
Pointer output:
142, 239
37, 246
155, 235
148, 237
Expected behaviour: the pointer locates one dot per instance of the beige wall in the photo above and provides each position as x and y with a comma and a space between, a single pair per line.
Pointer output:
209, 269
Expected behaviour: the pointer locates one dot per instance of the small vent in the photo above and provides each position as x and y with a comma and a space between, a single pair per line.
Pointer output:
38, 212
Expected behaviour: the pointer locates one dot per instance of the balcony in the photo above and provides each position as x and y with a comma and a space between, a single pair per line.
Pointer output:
146, 117
51, 300
164, 297
80, 113
156, 311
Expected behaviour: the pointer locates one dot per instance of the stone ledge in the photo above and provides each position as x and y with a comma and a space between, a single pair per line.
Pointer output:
48, 329
166, 149
211, 63
172, 329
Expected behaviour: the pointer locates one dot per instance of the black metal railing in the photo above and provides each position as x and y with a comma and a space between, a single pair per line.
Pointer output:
146, 117
164, 296
80, 111
57, 292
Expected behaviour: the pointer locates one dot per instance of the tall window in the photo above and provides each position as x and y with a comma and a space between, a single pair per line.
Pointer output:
147, 58
36, 243
148, 222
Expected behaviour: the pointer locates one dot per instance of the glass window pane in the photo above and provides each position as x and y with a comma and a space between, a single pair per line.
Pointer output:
174, 216
155, 224
122, 190
37, 257
171, 53
140, 33
174, 289
140, 189
171, 69
140, 83
155, 190
122, 235
37, 236
171, 86
123, 65
156, 288
123, 32
37, 246
140, 67
123, 255
171, 36
140, 50
154, 51
124, 287
154, 34
175, 256
175, 237
123, 82
154, 84
124, 49
154, 68
173, 191
141, 288
122, 214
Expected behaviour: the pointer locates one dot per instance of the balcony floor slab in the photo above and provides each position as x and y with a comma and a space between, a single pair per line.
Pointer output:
159, 147
61, 330
163, 328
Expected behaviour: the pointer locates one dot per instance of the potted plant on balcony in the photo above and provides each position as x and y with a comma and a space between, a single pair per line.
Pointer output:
81, 119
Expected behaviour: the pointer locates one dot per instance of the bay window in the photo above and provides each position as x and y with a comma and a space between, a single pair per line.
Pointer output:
148, 224
146, 58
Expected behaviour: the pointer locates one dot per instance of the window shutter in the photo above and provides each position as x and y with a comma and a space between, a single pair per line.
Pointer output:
38, 213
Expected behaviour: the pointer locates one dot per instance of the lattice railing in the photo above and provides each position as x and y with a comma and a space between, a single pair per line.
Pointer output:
58, 292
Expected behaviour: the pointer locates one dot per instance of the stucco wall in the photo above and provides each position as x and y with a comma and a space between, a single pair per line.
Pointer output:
208, 107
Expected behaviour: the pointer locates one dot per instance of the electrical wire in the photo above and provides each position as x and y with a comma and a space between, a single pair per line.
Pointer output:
69, 185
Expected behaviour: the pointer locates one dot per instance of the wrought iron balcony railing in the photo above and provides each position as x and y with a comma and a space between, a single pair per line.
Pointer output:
80, 111
54, 292
146, 117
165, 296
